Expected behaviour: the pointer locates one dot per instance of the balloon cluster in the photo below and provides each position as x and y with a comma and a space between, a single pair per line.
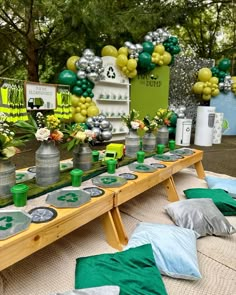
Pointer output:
207, 86
83, 87
100, 126
233, 86
160, 56
157, 37
82, 108
90, 66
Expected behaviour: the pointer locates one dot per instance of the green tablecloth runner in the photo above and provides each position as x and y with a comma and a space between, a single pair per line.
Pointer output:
65, 180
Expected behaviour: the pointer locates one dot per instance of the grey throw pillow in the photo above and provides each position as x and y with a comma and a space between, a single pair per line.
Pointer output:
104, 290
200, 215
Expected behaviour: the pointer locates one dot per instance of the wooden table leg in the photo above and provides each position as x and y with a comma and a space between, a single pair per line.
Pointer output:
171, 191
111, 231
200, 170
119, 225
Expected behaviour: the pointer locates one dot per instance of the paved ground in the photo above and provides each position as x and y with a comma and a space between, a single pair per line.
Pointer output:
219, 158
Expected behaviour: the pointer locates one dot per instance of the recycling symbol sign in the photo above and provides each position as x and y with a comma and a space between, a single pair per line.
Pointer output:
142, 167
6, 222
111, 73
69, 197
108, 180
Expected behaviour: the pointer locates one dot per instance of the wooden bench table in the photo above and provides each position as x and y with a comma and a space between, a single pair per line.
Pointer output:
40, 235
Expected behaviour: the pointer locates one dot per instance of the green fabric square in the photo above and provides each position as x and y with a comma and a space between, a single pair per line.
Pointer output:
223, 201
133, 270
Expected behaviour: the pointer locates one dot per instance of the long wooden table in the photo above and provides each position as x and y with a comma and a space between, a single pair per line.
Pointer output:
106, 207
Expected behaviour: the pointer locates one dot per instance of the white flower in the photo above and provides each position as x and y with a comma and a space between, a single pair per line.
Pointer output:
42, 134
134, 125
81, 136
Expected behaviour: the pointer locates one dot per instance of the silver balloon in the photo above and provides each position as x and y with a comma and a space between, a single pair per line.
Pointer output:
96, 124
132, 48
221, 85
148, 38
101, 118
97, 61
110, 127
128, 44
139, 47
104, 124
82, 63
181, 115
96, 131
92, 76
88, 69
88, 54
89, 122
81, 74
95, 118
182, 108
106, 135
131, 56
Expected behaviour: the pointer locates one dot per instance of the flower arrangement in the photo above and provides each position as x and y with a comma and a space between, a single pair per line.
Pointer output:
77, 134
132, 120
42, 128
162, 116
8, 142
150, 125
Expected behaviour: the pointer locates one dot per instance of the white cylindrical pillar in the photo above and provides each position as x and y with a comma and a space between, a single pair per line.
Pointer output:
204, 126
217, 129
183, 132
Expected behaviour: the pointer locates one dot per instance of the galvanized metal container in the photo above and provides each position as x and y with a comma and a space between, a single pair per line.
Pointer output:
82, 157
132, 144
47, 160
7, 178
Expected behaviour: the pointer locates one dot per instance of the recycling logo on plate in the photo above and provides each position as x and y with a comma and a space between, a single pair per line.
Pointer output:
69, 197
6, 222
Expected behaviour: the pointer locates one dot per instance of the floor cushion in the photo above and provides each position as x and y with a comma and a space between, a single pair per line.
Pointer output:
200, 215
174, 248
226, 184
225, 203
134, 271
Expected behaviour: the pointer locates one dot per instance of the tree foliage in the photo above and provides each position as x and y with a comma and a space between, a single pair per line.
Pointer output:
38, 36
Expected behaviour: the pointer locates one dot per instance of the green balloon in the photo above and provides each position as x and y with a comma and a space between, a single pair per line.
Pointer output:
89, 90
84, 86
171, 130
144, 59
173, 40
222, 74
77, 90
85, 94
224, 64
67, 77
148, 47
79, 82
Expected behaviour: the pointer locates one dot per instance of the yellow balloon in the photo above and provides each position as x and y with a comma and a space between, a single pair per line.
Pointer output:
159, 49
70, 63
92, 111
78, 118
204, 74
198, 87
123, 50
206, 96
74, 100
131, 64
109, 50
121, 60
166, 58
215, 92
132, 74
206, 90
214, 80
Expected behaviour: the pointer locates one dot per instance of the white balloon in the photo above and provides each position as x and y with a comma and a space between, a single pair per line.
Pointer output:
128, 44
81, 74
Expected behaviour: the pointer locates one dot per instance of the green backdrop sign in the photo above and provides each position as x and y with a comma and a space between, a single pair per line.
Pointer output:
150, 91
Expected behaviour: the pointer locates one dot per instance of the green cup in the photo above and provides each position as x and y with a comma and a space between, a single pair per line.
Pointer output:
140, 156
160, 149
19, 193
111, 166
95, 156
76, 177
172, 145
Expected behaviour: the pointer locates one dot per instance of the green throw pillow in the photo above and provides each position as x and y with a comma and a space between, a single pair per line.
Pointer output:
225, 203
134, 271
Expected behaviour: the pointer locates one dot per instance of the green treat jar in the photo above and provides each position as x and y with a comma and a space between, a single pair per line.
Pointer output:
95, 156
19, 193
111, 166
76, 177
140, 156
160, 149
